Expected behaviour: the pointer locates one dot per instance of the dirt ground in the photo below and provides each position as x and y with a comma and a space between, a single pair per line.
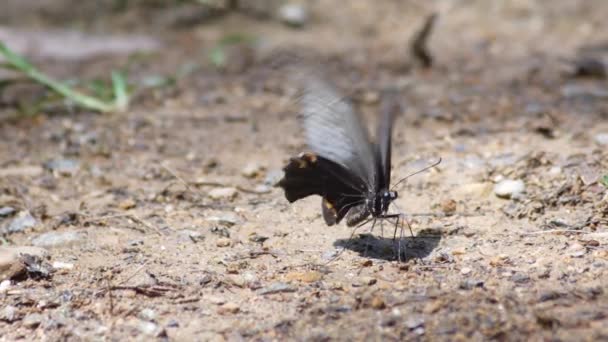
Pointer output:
137, 254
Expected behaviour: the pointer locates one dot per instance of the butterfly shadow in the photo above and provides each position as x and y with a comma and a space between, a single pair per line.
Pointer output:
386, 248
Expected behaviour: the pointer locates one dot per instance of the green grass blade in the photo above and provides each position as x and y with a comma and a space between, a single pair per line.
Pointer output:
119, 85
19, 63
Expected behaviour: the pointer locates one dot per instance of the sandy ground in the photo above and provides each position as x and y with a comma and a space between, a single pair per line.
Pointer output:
140, 255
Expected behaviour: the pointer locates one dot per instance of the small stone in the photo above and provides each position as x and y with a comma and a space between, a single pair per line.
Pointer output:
470, 284
371, 97
378, 303
63, 167
414, 322
221, 231
601, 139
32, 320
6, 211
8, 314
227, 193
555, 171
229, 308
364, 281
188, 235
448, 207
60, 265
5, 285
59, 239
11, 263
21, 171
223, 242
509, 188
306, 276
227, 219
500, 260
216, 300
127, 204
465, 270
147, 315
577, 250
255, 237
520, 278
295, 15
148, 328
252, 170
21, 222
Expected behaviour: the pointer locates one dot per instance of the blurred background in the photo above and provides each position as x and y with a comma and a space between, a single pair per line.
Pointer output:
140, 141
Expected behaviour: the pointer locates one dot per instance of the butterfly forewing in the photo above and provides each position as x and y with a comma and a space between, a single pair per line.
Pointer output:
390, 108
334, 130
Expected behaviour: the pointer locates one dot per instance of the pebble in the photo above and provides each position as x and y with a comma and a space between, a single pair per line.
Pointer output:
577, 250
216, 300
64, 167
470, 284
555, 171
32, 320
223, 193
9, 313
364, 281
6, 211
465, 270
601, 139
414, 322
147, 314
252, 170
148, 328
305, 276
223, 242
188, 235
60, 265
520, 278
127, 204
22, 171
228, 219
295, 15
509, 188
10, 259
5, 285
378, 303
58, 239
21, 222
229, 308
448, 206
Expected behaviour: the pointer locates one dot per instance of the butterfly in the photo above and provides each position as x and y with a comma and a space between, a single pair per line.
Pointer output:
351, 173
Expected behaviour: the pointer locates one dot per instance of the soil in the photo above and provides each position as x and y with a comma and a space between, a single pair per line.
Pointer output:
179, 234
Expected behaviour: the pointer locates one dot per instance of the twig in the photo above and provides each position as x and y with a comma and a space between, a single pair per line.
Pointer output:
419, 47
133, 217
556, 231
186, 184
110, 297
146, 224
107, 217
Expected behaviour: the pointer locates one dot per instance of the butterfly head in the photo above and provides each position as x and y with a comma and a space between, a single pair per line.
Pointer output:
381, 201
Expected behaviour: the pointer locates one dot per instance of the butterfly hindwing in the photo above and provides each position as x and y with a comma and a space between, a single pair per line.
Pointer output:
309, 174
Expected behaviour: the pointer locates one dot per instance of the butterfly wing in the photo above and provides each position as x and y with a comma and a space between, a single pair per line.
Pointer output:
389, 110
309, 174
334, 131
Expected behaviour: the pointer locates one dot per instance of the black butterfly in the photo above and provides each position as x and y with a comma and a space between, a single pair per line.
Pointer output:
344, 167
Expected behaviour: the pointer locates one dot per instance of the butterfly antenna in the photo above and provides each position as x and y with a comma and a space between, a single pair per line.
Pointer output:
417, 172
